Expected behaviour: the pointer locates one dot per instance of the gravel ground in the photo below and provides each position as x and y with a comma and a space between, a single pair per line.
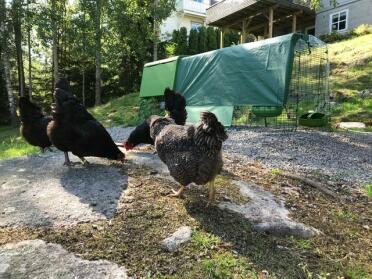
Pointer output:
344, 157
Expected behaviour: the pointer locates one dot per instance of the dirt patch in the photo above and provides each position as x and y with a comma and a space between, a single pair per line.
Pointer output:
223, 243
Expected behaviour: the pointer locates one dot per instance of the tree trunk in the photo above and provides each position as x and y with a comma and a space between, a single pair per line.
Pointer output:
156, 35
5, 63
29, 64
55, 43
29, 56
97, 24
16, 16
83, 93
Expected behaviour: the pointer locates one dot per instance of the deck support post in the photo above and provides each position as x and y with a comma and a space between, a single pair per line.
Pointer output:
271, 19
294, 23
221, 38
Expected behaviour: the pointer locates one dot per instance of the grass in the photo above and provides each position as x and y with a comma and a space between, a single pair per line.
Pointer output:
121, 111
368, 190
351, 72
13, 145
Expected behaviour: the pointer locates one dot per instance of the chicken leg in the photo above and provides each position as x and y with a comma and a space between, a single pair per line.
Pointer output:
67, 160
178, 193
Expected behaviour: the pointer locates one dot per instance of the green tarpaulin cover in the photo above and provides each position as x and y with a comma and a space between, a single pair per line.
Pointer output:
249, 74
157, 76
224, 113
256, 73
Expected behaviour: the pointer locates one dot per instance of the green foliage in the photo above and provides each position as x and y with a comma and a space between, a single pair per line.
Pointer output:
149, 106
202, 40
211, 39
368, 190
182, 48
204, 240
361, 30
12, 144
193, 41
120, 111
170, 49
275, 171
226, 265
357, 272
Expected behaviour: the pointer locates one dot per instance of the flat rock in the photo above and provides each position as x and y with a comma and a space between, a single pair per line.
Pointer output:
172, 242
267, 213
39, 191
38, 259
351, 125
149, 160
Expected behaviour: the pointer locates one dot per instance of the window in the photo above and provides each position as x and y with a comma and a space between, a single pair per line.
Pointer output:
196, 25
338, 21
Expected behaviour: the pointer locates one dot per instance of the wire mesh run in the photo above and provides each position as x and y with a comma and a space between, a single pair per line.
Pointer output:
307, 102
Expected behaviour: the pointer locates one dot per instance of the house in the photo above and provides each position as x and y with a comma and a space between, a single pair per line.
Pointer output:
189, 13
342, 17
263, 18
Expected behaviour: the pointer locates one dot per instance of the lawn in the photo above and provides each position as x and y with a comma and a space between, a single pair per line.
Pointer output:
122, 111
351, 72
12, 144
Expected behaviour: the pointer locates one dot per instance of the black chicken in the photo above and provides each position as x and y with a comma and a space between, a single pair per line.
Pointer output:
175, 105
33, 124
74, 129
192, 152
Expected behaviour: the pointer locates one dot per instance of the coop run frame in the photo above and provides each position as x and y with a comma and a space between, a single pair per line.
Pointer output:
279, 82
307, 103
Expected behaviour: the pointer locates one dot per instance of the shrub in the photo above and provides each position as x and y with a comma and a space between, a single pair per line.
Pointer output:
170, 49
334, 37
181, 48
361, 30
149, 106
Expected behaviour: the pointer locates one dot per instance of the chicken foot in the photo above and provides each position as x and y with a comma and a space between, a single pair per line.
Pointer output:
178, 193
84, 161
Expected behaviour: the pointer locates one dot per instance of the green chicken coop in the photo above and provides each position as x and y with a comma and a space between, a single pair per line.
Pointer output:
278, 82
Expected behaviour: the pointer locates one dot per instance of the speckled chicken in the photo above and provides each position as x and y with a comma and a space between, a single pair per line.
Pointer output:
193, 153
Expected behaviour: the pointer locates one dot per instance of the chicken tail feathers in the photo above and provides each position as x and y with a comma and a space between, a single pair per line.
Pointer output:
210, 134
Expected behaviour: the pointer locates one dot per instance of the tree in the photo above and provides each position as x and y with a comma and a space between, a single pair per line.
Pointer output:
203, 39
97, 27
17, 26
54, 23
29, 47
193, 41
211, 39
182, 42
4, 32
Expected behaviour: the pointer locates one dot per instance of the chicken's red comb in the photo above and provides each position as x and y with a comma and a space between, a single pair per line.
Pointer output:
128, 146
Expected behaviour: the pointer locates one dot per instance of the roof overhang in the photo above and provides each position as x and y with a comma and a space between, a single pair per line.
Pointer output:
231, 13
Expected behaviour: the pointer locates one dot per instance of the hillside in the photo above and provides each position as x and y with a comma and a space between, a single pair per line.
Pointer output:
351, 72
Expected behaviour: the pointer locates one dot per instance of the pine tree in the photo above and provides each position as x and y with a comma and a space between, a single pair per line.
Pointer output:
211, 39
193, 41
202, 39
182, 42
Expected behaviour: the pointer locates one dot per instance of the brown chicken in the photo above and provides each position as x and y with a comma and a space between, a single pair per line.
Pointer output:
193, 153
